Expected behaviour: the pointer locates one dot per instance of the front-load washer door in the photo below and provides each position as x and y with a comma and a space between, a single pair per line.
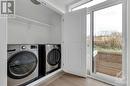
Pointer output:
53, 57
21, 64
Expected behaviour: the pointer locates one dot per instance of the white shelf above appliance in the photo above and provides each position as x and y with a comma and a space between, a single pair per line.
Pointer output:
29, 21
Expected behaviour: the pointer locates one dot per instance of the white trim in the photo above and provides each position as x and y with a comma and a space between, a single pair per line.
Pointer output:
104, 5
124, 26
78, 4
91, 37
128, 41
50, 5
46, 78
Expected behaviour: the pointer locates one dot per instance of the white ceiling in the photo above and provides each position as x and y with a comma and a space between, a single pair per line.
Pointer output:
66, 2
59, 5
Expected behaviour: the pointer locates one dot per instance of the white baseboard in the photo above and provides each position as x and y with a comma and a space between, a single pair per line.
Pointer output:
48, 79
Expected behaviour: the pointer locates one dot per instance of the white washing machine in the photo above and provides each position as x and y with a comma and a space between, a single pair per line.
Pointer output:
53, 57
22, 64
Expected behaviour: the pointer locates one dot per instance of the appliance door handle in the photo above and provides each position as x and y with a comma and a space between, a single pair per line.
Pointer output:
12, 50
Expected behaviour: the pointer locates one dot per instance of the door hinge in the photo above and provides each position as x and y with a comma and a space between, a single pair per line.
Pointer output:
63, 20
63, 64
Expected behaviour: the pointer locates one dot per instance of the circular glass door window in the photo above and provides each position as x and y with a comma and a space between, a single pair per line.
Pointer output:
53, 57
22, 64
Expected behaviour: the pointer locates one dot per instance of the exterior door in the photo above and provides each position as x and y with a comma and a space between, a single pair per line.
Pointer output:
108, 46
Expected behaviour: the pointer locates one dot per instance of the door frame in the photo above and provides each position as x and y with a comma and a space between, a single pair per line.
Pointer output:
90, 11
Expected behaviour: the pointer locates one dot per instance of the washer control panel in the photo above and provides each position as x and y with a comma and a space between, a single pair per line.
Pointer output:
33, 47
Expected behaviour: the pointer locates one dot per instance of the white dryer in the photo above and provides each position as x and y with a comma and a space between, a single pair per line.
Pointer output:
22, 64
53, 57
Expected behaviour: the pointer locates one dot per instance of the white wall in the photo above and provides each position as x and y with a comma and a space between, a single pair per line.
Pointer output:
128, 15
21, 33
27, 9
3, 54
56, 30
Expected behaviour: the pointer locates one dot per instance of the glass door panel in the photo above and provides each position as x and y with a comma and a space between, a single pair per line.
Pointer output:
107, 41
